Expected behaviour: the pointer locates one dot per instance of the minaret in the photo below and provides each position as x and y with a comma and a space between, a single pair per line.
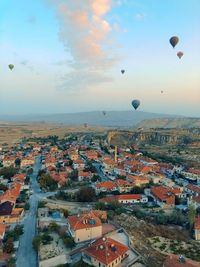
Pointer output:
115, 154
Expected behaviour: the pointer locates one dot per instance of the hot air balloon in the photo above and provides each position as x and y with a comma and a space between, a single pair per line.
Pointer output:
122, 71
161, 92
85, 125
135, 103
180, 54
11, 66
174, 41
104, 113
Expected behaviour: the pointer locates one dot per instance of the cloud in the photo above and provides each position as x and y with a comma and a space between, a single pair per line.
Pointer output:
27, 64
140, 17
84, 32
77, 80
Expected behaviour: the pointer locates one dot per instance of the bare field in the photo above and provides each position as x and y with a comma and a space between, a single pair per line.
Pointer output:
12, 133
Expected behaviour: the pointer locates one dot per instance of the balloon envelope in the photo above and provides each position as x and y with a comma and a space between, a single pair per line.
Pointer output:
135, 103
122, 71
174, 41
180, 54
11, 66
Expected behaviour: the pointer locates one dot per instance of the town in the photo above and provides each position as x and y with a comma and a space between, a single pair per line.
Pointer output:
82, 201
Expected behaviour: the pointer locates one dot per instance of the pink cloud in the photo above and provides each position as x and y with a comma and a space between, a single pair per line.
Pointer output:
84, 32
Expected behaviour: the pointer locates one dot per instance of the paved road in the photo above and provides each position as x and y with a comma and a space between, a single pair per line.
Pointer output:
100, 172
26, 256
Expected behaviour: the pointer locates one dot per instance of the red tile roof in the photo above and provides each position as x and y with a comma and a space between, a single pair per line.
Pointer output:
194, 188
195, 171
108, 185
106, 250
163, 193
2, 229
83, 221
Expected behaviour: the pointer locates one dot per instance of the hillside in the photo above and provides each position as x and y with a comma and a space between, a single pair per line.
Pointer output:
170, 123
94, 118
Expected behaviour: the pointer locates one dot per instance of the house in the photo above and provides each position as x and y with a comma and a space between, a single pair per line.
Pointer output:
101, 214
163, 196
192, 174
9, 161
73, 154
2, 230
84, 176
148, 161
19, 178
105, 252
37, 148
179, 261
119, 170
78, 164
54, 149
125, 199
193, 189
91, 154
85, 226
11, 194
107, 186
27, 161
197, 228
156, 177
108, 165
50, 162
59, 177
123, 185
138, 180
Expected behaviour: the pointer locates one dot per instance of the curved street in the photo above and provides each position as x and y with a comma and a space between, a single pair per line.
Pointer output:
26, 256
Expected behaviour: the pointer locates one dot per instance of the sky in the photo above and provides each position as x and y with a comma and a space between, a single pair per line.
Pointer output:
68, 56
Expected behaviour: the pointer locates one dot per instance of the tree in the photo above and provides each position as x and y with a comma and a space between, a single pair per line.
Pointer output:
17, 162
100, 206
19, 230
89, 167
30, 171
27, 206
65, 213
86, 194
137, 190
36, 242
191, 215
41, 204
95, 178
54, 227
46, 239
69, 242
15, 233
8, 172
47, 182
11, 263
9, 246
3, 187
27, 180
74, 175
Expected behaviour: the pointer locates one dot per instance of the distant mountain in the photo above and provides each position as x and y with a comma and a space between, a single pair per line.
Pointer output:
170, 123
94, 118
